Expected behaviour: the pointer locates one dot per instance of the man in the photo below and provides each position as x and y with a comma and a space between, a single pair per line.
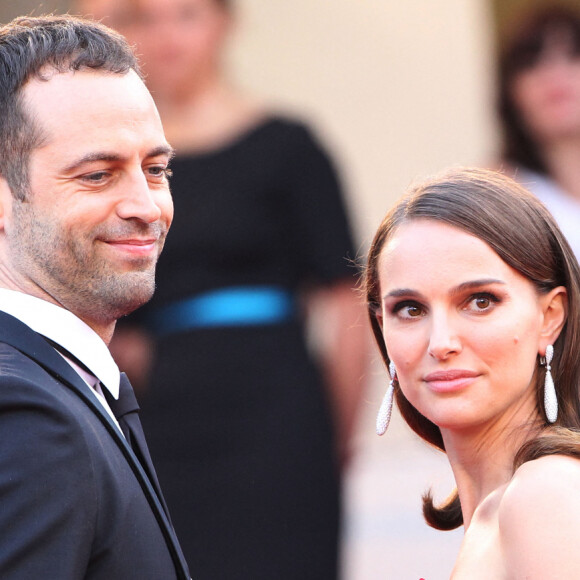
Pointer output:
84, 210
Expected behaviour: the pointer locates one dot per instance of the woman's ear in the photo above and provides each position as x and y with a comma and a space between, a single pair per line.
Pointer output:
379, 317
555, 308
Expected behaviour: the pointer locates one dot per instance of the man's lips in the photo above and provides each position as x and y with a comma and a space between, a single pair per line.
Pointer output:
133, 241
450, 380
136, 246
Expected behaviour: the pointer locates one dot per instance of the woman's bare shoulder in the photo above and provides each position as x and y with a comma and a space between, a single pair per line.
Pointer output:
539, 518
544, 470
542, 484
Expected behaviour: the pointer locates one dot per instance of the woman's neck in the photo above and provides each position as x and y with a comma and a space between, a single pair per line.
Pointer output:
562, 159
206, 116
482, 462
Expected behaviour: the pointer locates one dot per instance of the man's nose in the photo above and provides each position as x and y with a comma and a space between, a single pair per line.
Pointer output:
139, 201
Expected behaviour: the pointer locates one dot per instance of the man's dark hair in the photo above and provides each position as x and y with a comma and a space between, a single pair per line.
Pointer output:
31, 48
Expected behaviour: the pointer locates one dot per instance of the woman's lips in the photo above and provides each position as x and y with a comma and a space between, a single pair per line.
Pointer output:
449, 381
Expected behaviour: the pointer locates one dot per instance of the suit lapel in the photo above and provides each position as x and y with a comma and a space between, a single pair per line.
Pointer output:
34, 346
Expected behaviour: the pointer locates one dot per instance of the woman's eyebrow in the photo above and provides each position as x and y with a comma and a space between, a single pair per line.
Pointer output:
474, 284
399, 292
464, 286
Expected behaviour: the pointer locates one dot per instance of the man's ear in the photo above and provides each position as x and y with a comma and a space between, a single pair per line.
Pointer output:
3, 189
555, 307
5, 202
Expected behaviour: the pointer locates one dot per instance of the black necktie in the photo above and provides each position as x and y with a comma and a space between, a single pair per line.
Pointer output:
126, 410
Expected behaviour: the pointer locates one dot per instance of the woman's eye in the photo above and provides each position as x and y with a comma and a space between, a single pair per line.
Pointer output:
481, 302
408, 310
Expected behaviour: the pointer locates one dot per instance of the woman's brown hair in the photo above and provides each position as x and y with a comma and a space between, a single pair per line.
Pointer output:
523, 233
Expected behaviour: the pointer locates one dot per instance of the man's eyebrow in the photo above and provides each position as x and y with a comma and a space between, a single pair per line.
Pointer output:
162, 150
94, 156
91, 158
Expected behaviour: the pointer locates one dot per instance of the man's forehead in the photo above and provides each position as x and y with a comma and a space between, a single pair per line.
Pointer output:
59, 95
95, 111
51, 74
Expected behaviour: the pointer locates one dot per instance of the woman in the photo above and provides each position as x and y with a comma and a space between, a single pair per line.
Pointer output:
539, 105
237, 414
471, 288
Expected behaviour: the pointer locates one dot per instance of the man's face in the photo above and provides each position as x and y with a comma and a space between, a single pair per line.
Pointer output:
90, 233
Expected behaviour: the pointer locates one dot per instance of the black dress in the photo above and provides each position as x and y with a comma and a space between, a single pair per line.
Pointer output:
237, 417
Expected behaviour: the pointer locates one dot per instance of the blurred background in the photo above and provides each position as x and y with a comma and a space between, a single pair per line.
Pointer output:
397, 90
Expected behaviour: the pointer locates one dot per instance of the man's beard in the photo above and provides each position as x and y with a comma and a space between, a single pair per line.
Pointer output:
73, 272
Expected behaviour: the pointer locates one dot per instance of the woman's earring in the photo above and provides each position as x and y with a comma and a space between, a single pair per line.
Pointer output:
386, 409
550, 399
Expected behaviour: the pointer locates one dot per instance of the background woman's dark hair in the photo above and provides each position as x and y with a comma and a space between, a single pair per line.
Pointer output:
522, 46
523, 233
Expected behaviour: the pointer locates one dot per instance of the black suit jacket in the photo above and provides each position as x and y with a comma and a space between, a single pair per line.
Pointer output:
75, 502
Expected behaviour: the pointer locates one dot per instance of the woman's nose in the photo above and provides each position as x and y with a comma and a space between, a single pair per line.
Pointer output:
444, 339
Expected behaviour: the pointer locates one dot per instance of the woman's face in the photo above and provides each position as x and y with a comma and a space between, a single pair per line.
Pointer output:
462, 327
547, 94
179, 42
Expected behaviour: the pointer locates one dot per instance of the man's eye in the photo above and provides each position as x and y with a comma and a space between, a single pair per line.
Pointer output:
96, 177
160, 171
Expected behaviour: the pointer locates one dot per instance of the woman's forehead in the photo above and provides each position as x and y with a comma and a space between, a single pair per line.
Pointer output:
426, 250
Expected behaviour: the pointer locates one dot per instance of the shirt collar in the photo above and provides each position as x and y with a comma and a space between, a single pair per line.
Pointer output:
67, 330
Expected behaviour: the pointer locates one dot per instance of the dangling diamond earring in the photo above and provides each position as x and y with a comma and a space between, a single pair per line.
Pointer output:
384, 415
550, 399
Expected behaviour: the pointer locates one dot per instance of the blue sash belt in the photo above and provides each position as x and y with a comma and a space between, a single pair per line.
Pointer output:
235, 306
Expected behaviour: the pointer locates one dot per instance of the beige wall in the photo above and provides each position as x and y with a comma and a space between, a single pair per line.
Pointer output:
11, 8
397, 88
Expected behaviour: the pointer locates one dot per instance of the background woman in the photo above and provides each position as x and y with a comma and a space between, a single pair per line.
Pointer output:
470, 286
238, 412
539, 105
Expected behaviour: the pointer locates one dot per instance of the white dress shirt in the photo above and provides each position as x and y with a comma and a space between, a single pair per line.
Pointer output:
64, 328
